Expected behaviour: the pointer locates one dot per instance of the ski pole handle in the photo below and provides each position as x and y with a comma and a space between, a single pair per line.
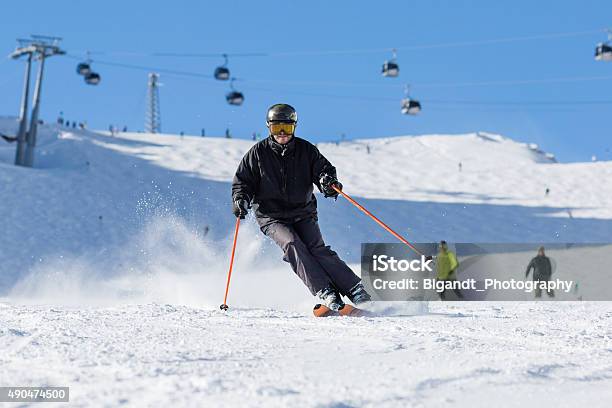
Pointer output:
382, 224
224, 305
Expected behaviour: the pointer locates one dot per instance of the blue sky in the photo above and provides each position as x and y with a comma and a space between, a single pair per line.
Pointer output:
335, 93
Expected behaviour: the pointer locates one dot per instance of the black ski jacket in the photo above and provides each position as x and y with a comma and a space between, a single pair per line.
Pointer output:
278, 180
542, 268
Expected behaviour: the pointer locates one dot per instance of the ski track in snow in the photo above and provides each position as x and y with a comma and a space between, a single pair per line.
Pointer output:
476, 354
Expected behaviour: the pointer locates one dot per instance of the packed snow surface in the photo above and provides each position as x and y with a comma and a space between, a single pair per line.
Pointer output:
471, 354
114, 254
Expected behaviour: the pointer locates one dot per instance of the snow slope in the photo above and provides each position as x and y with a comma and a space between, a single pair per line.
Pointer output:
114, 252
470, 354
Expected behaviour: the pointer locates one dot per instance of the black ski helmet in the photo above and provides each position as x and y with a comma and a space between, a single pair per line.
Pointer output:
281, 112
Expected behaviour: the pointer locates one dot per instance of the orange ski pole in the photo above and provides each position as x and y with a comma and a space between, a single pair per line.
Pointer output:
382, 224
224, 305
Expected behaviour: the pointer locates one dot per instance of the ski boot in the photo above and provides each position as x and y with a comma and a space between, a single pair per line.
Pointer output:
358, 295
330, 298
331, 303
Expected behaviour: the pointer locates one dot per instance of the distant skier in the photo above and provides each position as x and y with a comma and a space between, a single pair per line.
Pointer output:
542, 271
446, 265
276, 178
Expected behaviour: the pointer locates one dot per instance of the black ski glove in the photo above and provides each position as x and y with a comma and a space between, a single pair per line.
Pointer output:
240, 208
326, 182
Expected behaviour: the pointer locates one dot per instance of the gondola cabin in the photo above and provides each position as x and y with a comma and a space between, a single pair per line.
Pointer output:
390, 69
603, 52
83, 68
410, 107
92, 78
235, 98
222, 73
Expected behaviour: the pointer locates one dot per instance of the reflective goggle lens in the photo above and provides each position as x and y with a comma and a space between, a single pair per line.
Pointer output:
277, 128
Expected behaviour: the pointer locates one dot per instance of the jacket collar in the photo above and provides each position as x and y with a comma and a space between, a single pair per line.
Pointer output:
282, 150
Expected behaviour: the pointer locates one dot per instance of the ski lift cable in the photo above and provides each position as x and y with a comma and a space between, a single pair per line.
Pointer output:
441, 45
515, 82
388, 99
442, 102
438, 101
518, 103
147, 68
174, 54
358, 84
508, 109
457, 44
436, 84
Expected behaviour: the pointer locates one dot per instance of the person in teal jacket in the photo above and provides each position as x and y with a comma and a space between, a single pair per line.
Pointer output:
446, 267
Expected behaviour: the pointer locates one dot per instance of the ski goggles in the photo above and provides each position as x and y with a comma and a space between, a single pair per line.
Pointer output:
277, 128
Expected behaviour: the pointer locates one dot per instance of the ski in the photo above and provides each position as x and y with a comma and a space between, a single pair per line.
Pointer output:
352, 311
346, 310
323, 311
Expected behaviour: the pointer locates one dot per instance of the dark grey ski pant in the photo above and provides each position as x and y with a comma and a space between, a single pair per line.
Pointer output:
314, 262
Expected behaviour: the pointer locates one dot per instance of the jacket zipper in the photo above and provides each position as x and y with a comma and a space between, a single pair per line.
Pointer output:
284, 173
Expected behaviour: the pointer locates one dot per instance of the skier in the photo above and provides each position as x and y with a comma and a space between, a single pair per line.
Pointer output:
276, 178
542, 271
446, 265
